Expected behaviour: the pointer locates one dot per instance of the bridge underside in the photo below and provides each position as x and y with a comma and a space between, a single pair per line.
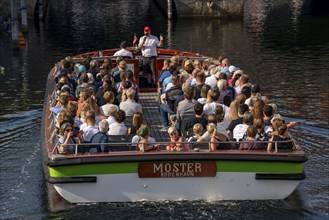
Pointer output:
203, 8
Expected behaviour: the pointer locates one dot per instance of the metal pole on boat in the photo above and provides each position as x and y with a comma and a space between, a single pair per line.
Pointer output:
169, 9
14, 23
23, 10
169, 31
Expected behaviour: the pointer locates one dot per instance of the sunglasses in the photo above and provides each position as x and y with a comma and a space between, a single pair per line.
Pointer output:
173, 133
68, 130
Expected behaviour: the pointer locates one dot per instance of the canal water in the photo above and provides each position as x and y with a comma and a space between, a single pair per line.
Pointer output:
283, 45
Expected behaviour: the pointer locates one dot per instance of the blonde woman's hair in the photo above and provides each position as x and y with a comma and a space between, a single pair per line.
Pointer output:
198, 129
212, 128
233, 112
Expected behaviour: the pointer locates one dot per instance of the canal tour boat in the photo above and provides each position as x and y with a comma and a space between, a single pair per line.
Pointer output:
198, 174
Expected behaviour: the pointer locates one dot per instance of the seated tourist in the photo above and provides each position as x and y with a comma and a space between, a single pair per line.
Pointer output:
241, 129
137, 137
252, 143
91, 127
123, 52
100, 137
118, 127
130, 106
185, 109
186, 126
111, 113
176, 141
236, 117
129, 77
63, 101
122, 68
282, 135
168, 101
212, 101
197, 133
215, 138
67, 139
137, 121
145, 142
108, 99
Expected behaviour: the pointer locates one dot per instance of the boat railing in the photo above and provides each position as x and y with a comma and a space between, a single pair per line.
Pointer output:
82, 148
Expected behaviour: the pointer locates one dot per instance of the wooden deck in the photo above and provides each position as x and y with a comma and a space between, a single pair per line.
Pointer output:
152, 115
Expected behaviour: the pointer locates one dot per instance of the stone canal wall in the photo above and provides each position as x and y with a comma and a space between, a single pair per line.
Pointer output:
31, 6
203, 8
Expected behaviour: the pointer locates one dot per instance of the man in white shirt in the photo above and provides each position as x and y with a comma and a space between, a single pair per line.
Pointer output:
241, 129
123, 52
148, 44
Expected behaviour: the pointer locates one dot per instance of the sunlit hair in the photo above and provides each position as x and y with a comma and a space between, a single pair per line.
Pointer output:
103, 126
198, 129
212, 129
213, 95
257, 108
108, 96
222, 84
233, 112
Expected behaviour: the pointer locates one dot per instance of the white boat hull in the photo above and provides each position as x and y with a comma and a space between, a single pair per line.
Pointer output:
129, 187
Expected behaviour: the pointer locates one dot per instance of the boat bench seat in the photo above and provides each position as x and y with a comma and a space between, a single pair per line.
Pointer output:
119, 143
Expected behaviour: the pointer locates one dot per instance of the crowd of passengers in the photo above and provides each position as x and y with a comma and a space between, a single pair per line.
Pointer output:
198, 102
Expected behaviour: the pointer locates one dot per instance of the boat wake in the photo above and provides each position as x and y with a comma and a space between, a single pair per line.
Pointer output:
14, 127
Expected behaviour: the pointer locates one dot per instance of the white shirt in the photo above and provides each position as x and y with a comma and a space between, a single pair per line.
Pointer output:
130, 107
209, 108
124, 53
239, 131
88, 132
111, 120
118, 129
149, 48
211, 81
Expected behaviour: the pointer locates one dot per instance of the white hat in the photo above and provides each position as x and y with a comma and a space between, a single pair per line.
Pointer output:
232, 69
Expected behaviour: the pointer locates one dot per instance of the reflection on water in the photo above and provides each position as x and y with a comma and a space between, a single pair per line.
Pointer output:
282, 49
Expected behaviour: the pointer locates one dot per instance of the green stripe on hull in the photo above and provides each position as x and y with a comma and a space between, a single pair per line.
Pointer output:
222, 166
263, 167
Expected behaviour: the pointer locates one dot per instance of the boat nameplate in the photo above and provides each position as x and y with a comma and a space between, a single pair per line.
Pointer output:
176, 169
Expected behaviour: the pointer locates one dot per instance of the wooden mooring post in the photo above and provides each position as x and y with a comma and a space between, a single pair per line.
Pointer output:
14, 24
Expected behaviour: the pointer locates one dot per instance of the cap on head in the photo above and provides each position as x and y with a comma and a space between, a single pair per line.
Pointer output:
147, 28
81, 68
